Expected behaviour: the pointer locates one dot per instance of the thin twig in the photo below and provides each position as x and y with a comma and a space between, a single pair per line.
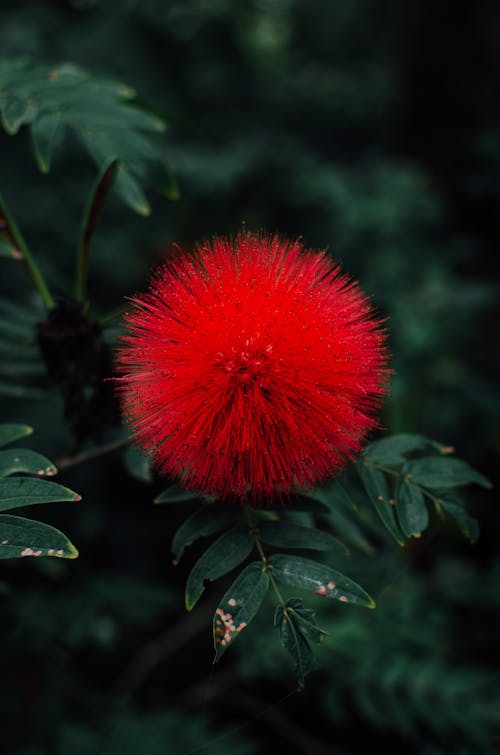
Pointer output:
27, 258
92, 453
92, 210
155, 652
287, 729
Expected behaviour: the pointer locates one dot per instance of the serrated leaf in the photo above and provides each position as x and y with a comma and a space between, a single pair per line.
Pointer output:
378, 491
16, 460
455, 507
47, 131
206, 521
295, 642
239, 606
227, 552
10, 432
137, 464
318, 578
176, 494
26, 491
286, 535
411, 508
441, 472
306, 620
21, 537
391, 450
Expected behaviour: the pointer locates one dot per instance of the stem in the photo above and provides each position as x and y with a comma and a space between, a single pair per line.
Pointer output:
28, 261
427, 493
254, 532
92, 453
90, 215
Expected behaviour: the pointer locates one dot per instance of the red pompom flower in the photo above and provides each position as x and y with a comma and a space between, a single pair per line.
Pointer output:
252, 368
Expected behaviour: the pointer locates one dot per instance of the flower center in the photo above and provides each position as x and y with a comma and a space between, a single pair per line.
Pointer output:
245, 364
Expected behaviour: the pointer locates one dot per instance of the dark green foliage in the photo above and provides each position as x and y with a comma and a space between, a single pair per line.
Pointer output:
206, 521
51, 99
287, 535
20, 537
21, 373
227, 552
400, 488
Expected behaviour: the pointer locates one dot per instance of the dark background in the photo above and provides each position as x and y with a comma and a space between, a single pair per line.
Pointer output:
373, 129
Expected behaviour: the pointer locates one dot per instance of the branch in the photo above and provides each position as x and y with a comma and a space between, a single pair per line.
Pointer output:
26, 257
92, 453
284, 727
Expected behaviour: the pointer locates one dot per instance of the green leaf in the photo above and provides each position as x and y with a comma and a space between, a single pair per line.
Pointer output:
176, 494
137, 464
295, 642
52, 99
378, 491
22, 460
21, 537
306, 503
454, 505
318, 578
47, 132
305, 619
130, 191
390, 451
286, 535
336, 491
238, 606
206, 521
16, 112
25, 491
11, 432
411, 508
441, 472
229, 550
340, 514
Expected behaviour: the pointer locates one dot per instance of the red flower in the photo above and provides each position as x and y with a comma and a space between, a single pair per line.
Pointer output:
252, 368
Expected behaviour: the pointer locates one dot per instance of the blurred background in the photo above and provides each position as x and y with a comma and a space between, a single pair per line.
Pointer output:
373, 129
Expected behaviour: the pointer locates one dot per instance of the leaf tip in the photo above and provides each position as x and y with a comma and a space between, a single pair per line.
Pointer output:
43, 167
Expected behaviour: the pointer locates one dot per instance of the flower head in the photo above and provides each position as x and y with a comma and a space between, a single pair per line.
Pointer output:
251, 368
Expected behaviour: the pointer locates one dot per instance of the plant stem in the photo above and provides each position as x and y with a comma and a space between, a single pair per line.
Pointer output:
427, 493
92, 453
91, 213
28, 261
254, 532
